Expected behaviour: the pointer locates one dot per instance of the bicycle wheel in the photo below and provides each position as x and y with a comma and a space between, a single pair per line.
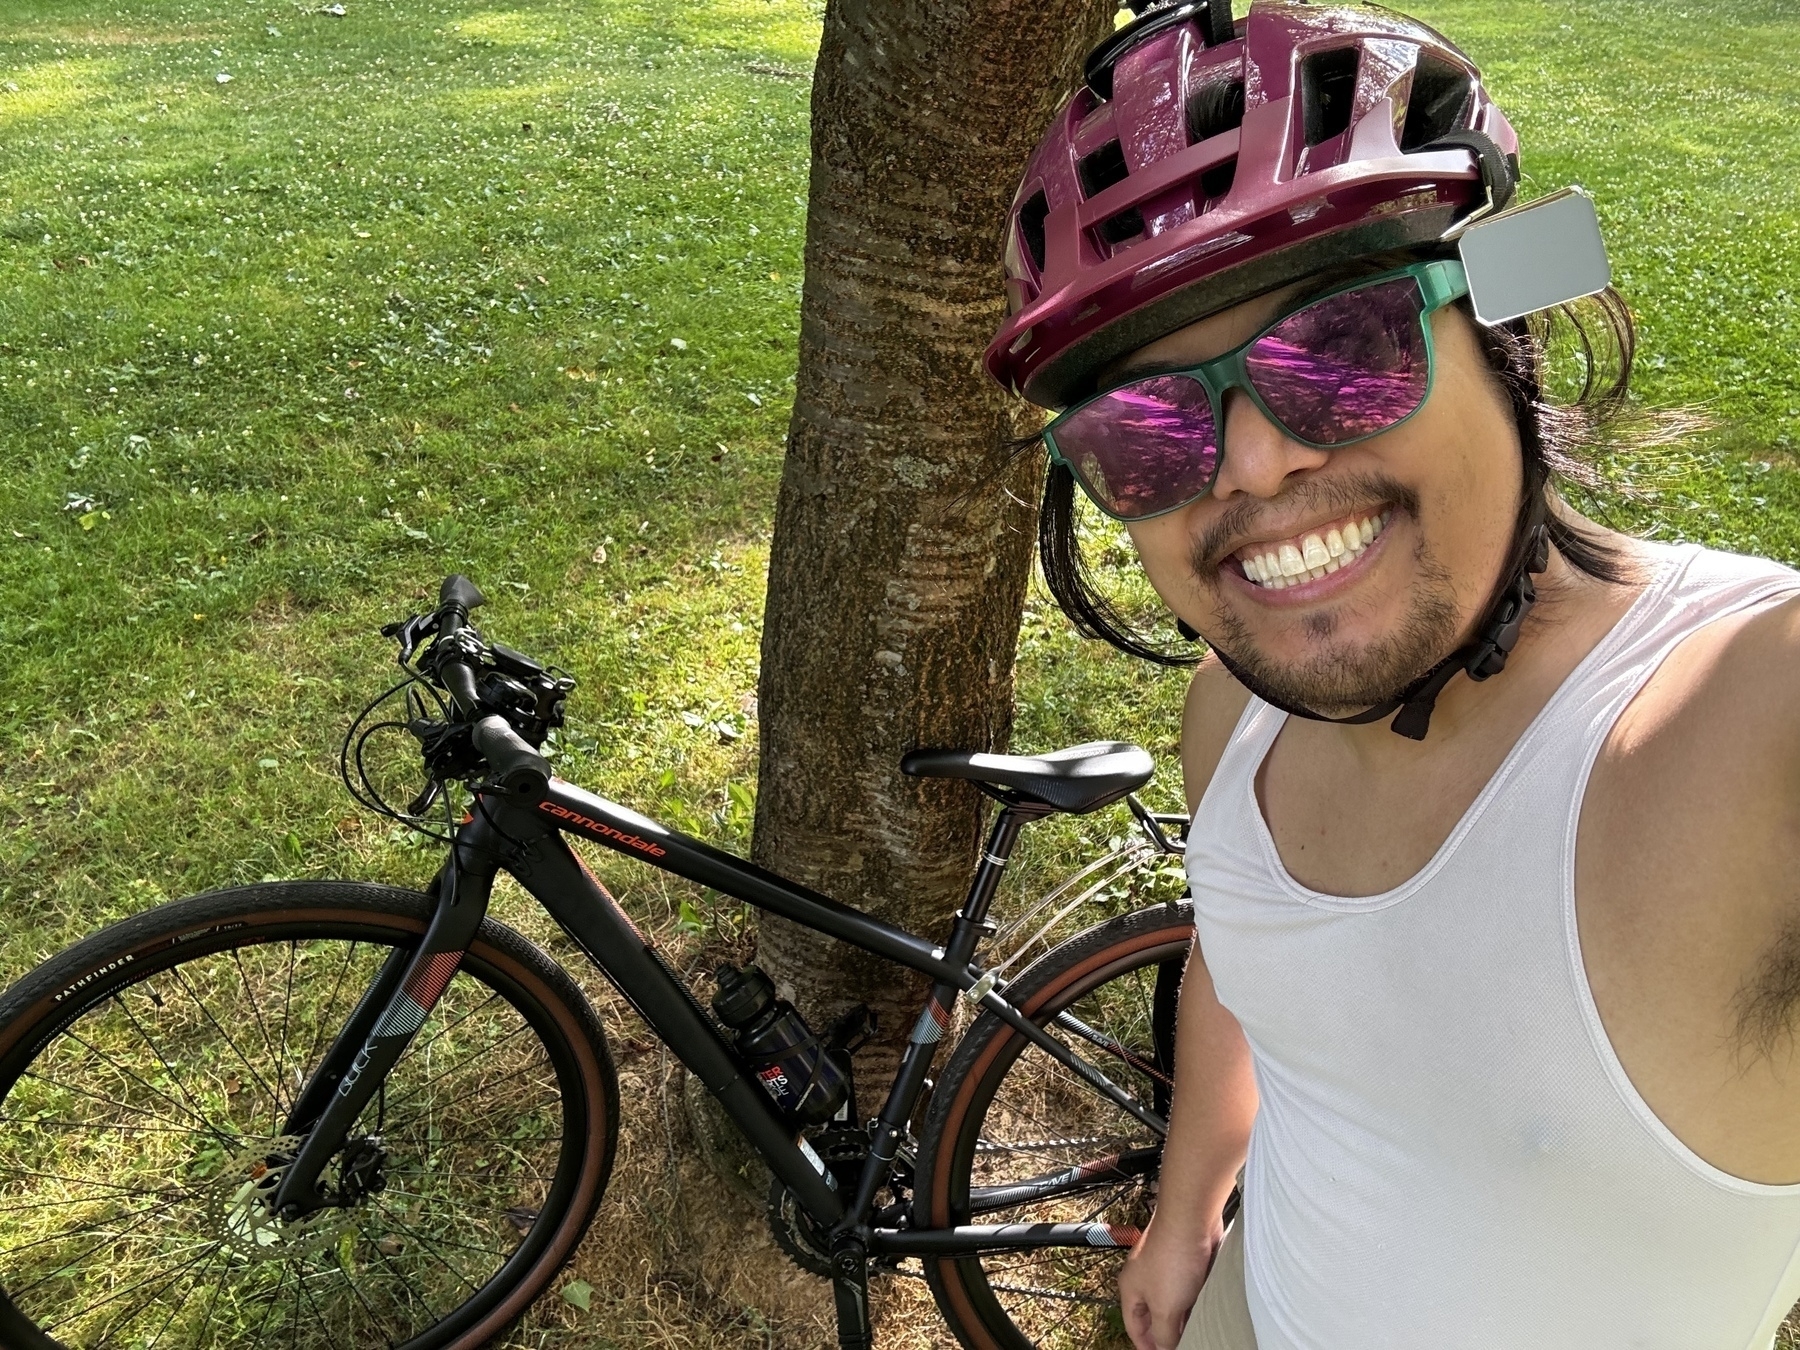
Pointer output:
145, 1076
1012, 1136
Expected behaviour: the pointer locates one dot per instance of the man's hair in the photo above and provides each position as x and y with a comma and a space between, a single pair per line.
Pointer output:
1561, 441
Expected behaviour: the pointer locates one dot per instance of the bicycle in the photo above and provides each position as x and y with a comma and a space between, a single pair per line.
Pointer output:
336, 1114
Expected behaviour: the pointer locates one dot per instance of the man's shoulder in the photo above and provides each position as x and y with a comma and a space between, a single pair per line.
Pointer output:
1214, 704
1737, 677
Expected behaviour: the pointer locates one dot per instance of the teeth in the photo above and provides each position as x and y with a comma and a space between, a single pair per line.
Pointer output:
1315, 556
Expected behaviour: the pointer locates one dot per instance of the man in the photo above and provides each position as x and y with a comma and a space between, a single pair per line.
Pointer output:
1498, 1008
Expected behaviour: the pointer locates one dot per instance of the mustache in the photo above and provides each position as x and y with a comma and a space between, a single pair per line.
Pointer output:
1337, 495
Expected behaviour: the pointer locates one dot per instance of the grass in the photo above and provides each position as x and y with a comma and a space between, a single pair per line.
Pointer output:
512, 289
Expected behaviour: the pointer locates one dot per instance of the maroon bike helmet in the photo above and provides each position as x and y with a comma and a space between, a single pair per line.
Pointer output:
1204, 162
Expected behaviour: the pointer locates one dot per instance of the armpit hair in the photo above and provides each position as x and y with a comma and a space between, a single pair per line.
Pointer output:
1768, 1001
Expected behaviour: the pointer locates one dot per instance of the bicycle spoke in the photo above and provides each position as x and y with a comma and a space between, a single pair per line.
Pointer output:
88, 1228
417, 1088
229, 1038
261, 1026
262, 1326
433, 1252
192, 1110
287, 1004
331, 1007
109, 1101
82, 1312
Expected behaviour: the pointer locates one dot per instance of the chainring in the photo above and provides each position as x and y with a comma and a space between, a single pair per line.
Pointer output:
794, 1232
842, 1149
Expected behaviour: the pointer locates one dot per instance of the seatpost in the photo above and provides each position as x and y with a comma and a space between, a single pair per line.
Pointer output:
1001, 839
965, 935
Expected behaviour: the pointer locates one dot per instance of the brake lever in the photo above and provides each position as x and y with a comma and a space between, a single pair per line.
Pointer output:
421, 803
410, 633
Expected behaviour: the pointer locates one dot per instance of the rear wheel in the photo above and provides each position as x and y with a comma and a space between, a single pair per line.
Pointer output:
1014, 1137
145, 1077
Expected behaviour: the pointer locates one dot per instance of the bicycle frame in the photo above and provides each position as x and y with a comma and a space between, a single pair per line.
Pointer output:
524, 837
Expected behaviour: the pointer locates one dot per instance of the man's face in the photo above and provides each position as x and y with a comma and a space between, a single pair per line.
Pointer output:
1435, 498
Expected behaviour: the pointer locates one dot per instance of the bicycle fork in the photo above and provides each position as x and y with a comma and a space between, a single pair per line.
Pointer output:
382, 1025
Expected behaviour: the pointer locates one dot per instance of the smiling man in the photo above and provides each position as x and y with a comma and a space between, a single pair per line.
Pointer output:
1495, 1014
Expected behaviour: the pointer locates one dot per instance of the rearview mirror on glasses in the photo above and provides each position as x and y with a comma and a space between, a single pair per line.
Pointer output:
1547, 252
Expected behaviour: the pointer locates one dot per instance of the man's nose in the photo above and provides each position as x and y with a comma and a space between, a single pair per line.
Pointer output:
1259, 456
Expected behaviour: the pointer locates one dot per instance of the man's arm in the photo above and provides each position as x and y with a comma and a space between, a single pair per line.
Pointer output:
1215, 1092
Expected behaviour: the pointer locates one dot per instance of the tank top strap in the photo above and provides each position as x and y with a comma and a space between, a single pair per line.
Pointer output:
1225, 817
1693, 587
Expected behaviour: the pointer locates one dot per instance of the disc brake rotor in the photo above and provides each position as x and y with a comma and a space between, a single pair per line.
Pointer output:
240, 1215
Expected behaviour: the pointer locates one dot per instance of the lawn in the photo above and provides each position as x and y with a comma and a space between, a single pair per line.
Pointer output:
299, 312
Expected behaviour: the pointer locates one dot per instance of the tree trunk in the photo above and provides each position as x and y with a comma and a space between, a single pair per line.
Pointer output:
903, 533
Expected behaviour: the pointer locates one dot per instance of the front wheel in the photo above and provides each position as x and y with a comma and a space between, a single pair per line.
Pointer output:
1014, 1137
145, 1078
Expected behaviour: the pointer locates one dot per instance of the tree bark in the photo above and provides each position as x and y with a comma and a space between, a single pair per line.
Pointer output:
903, 529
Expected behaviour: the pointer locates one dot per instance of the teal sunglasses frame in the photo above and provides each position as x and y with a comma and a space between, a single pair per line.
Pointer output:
1441, 282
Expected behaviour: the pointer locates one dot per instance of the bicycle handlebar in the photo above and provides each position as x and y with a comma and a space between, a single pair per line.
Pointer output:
519, 769
456, 597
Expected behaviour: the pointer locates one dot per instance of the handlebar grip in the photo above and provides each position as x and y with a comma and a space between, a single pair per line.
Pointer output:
458, 590
520, 769
459, 679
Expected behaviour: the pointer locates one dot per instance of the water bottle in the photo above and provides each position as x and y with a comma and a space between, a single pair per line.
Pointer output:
807, 1081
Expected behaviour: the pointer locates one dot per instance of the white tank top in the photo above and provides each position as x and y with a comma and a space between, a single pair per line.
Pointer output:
1448, 1154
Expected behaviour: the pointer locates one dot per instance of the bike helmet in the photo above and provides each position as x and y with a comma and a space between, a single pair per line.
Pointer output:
1204, 162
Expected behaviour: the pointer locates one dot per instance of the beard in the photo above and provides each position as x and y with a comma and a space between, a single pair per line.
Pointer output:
1339, 677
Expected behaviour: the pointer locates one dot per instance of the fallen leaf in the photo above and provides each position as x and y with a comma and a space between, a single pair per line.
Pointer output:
222, 78
580, 1293
335, 11
678, 344
600, 554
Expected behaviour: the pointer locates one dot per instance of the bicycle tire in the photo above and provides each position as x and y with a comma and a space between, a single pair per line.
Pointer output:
161, 1163
1120, 978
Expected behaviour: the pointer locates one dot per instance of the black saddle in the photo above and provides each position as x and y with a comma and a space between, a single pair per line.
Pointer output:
1081, 778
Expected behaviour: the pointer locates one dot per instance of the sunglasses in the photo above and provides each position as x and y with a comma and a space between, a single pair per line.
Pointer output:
1346, 366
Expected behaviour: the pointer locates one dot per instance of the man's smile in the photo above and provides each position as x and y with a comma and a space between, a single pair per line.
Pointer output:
1311, 554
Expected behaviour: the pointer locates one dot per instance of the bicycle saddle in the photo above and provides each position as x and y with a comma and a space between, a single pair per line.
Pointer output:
1080, 778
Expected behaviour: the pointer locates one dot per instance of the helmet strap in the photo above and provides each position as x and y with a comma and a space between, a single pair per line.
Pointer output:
1481, 658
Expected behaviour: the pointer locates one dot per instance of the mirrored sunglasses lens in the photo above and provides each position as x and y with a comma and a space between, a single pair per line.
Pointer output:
1346, 367
1147, 447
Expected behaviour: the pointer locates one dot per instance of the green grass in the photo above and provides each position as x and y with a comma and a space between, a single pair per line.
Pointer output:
512, 289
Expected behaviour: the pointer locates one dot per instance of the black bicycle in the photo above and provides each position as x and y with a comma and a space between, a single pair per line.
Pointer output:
332, 1114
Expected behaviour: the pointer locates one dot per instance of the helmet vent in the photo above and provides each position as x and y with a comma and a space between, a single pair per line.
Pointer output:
1102, 169
1328, 88
1436, 107
1128, 224
1215, 109
1031, 227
